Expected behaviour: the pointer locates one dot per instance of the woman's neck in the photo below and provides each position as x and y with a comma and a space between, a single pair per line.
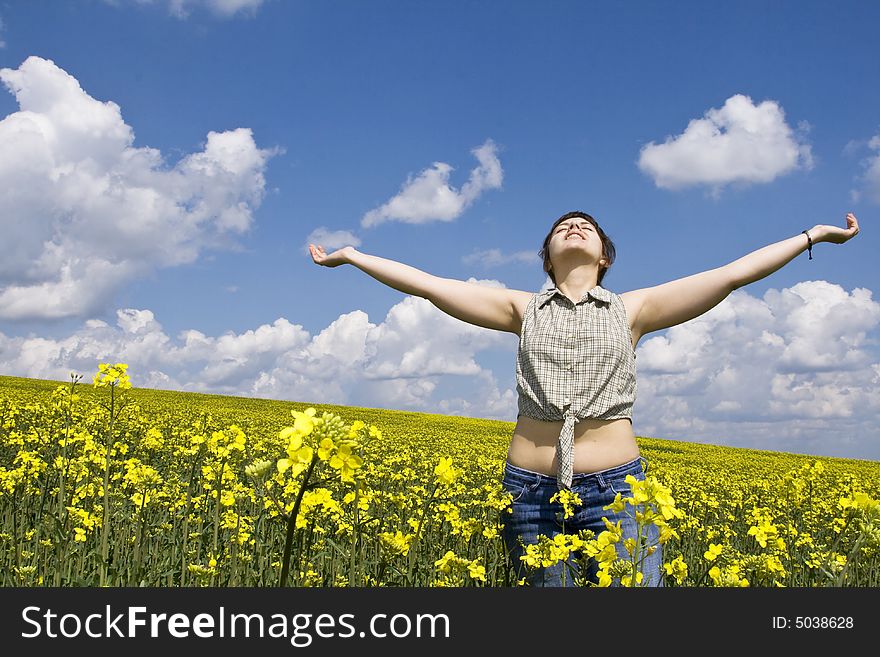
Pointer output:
576, 282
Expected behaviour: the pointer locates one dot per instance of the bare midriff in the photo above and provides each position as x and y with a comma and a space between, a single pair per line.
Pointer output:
598, 444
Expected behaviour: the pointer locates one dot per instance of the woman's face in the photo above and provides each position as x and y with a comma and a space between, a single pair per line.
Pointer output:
575, 235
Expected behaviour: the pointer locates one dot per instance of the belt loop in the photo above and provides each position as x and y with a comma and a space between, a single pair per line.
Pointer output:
645, 465
600, 479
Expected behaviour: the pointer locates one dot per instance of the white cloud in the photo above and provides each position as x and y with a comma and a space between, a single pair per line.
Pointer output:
223, 8
495, 258
429, 197
331, 240
395, 364
870, 180
86, 211
417, 340
795, 370
739, 143
220, 8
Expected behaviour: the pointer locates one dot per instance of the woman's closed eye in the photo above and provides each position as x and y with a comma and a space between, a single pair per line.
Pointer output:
583, 227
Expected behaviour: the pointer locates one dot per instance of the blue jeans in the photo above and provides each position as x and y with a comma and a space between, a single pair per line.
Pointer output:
534, 514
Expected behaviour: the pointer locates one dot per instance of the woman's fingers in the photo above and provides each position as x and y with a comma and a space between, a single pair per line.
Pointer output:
852, 225
318, 254
852, 222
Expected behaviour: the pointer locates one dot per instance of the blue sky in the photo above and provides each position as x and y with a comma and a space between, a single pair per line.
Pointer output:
165, 163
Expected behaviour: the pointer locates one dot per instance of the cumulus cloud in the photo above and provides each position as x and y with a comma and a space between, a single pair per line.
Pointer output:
331, 240
220, 8
86, 211
487, 258
429, 197
739, 143
869, 181
417, 340
796, 370
395, 364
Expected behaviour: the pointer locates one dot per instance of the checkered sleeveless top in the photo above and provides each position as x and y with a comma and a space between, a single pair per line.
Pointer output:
575, 361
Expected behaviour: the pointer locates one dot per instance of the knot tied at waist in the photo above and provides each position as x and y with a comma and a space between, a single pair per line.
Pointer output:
565, 451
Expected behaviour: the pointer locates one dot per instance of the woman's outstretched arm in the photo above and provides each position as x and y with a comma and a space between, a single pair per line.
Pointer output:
489, 307
684, 299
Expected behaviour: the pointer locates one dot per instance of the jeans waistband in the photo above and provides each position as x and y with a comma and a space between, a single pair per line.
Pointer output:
525, 476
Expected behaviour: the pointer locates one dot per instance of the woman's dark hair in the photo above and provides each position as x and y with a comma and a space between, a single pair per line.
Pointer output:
608, 252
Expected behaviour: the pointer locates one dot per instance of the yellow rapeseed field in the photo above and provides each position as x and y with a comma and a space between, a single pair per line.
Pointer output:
103, 484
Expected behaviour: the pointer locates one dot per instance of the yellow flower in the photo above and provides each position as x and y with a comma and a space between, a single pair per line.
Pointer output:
112, 375
774, 565
627, 580
346, 462
444, 564
605, 578
639, 489
618, 505
298, 455
446, 474
304, 422
476, 571
859, 501
677, 568
293, 437
666, 533
396, 543
713, 552
728, 577
568, 499
762, 532
325, 448
238, 438
154, 439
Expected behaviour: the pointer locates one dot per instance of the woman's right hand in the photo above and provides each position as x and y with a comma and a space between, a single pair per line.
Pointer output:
338, 257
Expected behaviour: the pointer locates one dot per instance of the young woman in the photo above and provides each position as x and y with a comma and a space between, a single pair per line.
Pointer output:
575, 370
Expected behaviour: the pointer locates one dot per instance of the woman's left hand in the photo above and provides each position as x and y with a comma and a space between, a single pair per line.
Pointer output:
838, 235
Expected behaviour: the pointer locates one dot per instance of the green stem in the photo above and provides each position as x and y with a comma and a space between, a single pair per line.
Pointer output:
140, 538
187, 511
234, 573
415, 541
217, 505
291, 521
62, 493
105, 528
637, 552
852, 554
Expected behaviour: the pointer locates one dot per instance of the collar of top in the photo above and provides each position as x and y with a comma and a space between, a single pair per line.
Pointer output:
599, 293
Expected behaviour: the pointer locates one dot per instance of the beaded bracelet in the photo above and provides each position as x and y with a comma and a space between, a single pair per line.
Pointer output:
809, 244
